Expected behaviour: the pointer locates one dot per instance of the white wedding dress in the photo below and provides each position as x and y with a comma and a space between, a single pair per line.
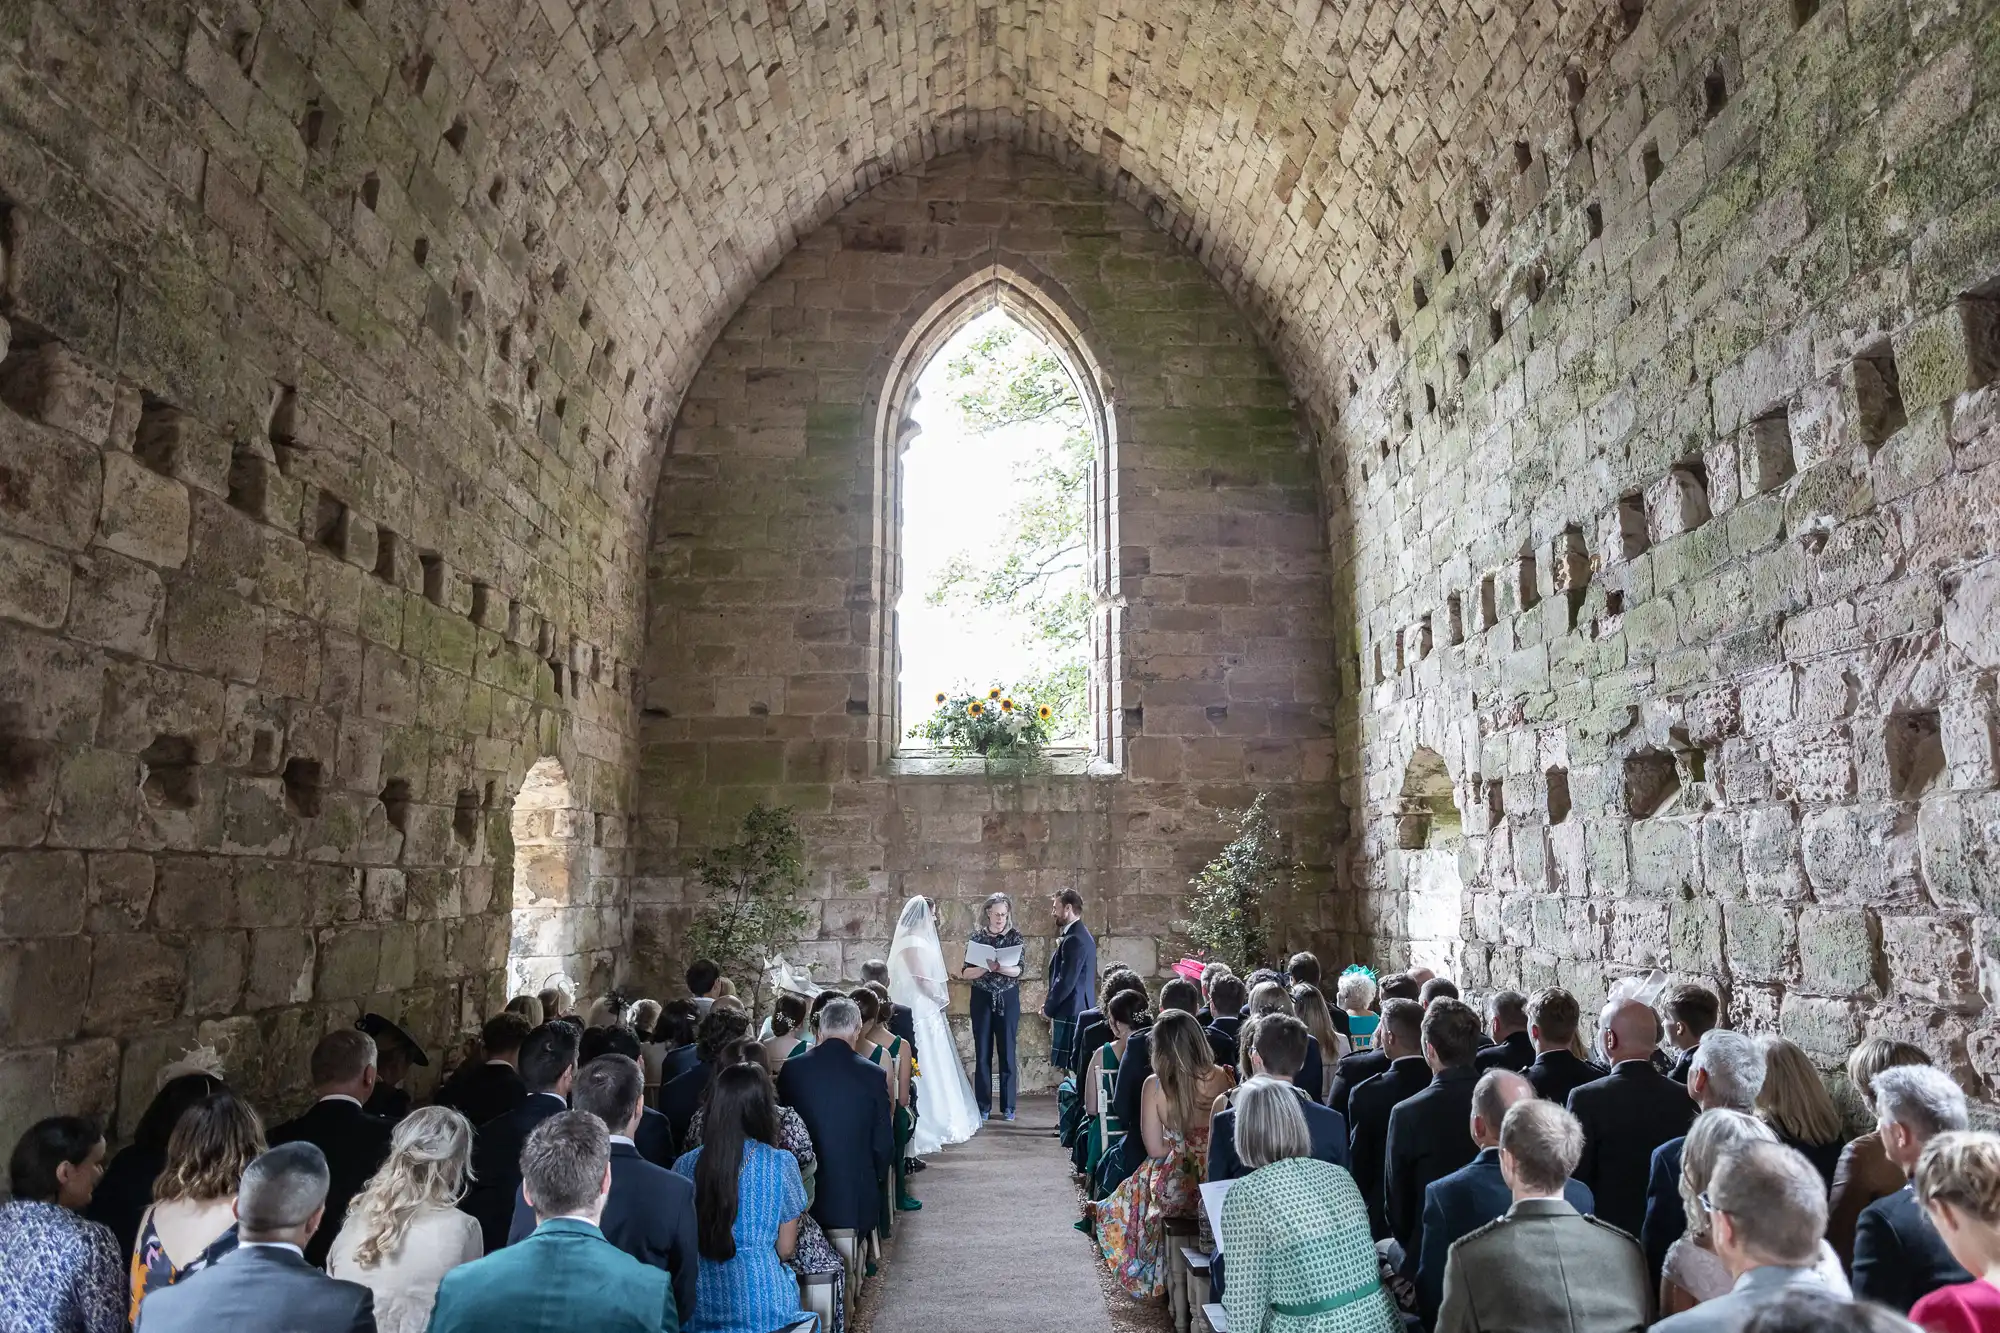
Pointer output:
918, 978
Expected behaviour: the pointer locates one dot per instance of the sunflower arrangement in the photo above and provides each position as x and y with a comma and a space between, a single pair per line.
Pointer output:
993, 724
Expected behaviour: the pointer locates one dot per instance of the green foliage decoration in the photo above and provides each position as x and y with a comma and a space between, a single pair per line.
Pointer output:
1226, 918
749, 911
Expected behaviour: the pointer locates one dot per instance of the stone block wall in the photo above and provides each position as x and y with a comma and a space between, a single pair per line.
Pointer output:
1667, 519
760, 679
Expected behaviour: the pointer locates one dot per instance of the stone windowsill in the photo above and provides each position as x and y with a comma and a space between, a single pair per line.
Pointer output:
1064, 763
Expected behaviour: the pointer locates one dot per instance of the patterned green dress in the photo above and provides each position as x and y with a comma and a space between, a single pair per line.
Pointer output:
1299, 1255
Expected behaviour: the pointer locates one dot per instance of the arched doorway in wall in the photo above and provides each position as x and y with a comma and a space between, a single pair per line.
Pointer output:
551, 880
1430, 834
996, 513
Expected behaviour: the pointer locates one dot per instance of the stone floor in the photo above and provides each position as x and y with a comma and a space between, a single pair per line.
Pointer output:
993, 1246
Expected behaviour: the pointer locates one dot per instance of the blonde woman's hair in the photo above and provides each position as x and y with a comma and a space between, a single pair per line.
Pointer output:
1874, 1055
1312, 1010
1794, 1100
1715, 1135
1962, 1169
430, 1165
1183, 1062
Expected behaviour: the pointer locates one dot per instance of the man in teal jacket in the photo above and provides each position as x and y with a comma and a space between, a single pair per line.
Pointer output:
566, 1275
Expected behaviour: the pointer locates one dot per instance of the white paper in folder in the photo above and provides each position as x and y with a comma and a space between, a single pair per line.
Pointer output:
1212, 1195
985, 955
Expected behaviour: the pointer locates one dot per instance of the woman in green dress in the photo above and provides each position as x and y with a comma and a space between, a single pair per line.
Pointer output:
1299, 1256
892, 1055
1124, 1013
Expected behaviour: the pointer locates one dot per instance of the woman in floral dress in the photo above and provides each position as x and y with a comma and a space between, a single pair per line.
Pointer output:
1174, 1110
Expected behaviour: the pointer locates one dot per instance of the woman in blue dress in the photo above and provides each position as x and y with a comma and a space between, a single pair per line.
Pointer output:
748, 1197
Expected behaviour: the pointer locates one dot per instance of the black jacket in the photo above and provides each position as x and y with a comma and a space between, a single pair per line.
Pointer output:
1899, 1258
484, 1092
649, 1214
1556, 1074
1515, 1053
844, 1101
1368, 1131
1351, 1073
1224, 1038
355, 1143
1430, 1136
1133, 1071
1312, 1074
680, 1098
655, 1139
1625, 1116
126, 1192
264, 1289
496, 1164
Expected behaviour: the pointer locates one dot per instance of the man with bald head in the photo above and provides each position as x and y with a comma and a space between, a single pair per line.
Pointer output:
1475, 1194
1627, 1114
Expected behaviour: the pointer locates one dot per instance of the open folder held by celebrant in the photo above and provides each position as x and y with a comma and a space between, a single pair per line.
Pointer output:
985, 955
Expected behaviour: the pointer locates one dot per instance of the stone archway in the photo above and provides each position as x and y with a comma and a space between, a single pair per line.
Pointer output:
1430, 833
551, 881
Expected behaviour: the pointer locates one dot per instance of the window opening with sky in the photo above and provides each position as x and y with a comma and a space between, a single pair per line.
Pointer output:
996, 532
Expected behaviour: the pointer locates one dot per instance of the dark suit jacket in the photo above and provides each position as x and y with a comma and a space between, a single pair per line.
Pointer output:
1666, 1219
1224, 1040
1515, 1053
1133, 1071
680, 1098
1072, 972
1683, 1068
1556, 1074
355, 1143
1368, 1130
1351, 1073
1430, 1136
1460, 1204
1312, 1074
259, 1289
678, 1061
496, 1165
484, 1092
844, 1101
1626, 1114
1329, 1139
655, 1139
125, 1193
1899, 1258
649, 1214
564, 1278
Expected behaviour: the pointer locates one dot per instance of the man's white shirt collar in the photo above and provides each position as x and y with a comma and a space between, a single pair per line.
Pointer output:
332, 1097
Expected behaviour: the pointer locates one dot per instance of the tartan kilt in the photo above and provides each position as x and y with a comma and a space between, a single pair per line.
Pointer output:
1062, 1043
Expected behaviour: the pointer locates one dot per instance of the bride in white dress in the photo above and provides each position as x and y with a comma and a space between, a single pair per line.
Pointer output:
918, 978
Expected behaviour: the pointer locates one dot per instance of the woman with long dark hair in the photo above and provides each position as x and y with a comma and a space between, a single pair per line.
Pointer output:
127, 1188
748, 1197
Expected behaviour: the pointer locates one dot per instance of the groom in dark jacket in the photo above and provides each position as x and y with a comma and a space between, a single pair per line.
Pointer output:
1072, 977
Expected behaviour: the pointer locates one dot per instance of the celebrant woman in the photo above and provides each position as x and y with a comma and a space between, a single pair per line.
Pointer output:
919, 979
993, 966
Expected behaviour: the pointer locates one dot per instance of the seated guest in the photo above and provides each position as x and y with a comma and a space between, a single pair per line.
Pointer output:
126, 1191
566, 1277
1178, 995
1370, 1104
1808, 1310
843, 1100
1209, 972
1429, 1131
1354, 992
1175, 1107
61, 1272
1367, 1059
1126, 1013
1507, 1020
1557, 1070
493, 1087
1093, 1025
788, 1021
1313, 1010
875, 972
1767, 1209
1691, 1271
1229, 997
1627, 1114
1437, 988
1958, 1184
644, 1014
891, 1054
530, 1008
682, 1094
192, 1222
404, 1231
1727, 1072
1899, 1257
1543, 1267
395, 1052
655, 1135
749, 1203
675, 1031
703, 983
1303, 970
1477, 1193
354, 1142
548, 1066
814, 1254
1295, 1229
1692, 1012
1864, 1172
1794, 1102
1272, 998
1277, 1048
265, 1285
649, 1212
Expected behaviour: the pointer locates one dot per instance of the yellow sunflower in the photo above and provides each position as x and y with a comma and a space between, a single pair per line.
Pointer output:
993, 694
1006, 705
975, 708
1045, 712
940, 697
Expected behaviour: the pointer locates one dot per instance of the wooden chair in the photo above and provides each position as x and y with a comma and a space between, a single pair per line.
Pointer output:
1213, 1316
848, 1245
816, 1297
1194, 1275
1106, 1080
1180, 1235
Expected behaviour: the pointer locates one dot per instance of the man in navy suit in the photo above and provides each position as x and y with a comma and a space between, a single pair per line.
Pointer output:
491, 1089
1899, 1257
1072, 978
844, 1101
649, 1213
1512, 1048
548, 1067
654, 1135
1401, 1037
681, 1097
1277, 1048
354, 1142
1227, 997
1626, 1115
1557, 1071
1464, 1201
1428, 1134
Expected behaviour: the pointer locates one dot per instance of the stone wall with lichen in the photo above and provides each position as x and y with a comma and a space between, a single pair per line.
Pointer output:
1665, 506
